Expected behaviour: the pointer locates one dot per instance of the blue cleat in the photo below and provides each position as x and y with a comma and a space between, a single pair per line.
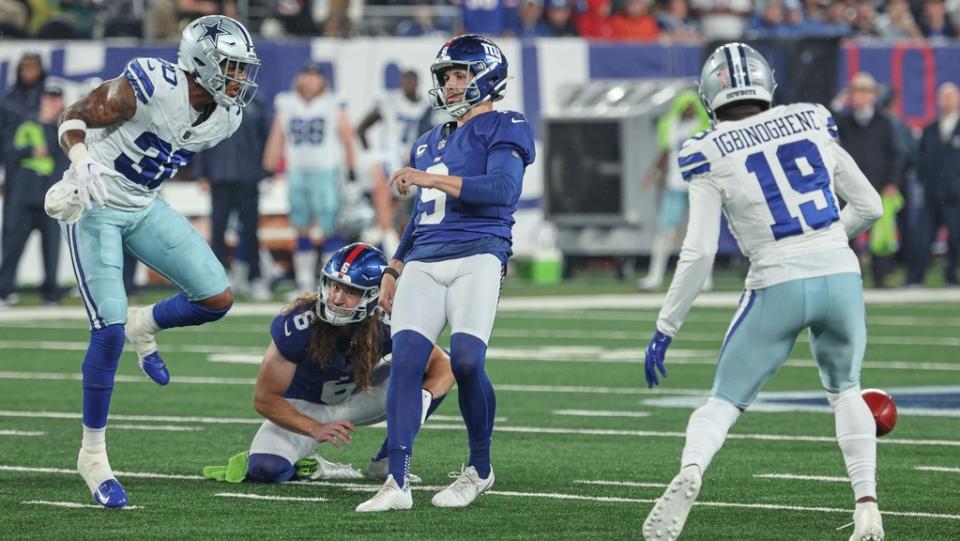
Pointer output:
155, 369
111, 494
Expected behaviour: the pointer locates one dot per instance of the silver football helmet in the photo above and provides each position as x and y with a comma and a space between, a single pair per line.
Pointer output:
735, 72
218, 51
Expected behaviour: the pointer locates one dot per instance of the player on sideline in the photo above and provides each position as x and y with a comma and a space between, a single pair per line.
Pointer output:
322, 374
452, 257
772, 172
124, 139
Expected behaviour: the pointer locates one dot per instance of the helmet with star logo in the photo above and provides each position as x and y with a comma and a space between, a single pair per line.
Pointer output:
218, 52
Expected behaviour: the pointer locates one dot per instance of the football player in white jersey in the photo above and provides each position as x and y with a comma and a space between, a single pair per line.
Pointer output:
124, 139
401, 112
312, 131
775, 172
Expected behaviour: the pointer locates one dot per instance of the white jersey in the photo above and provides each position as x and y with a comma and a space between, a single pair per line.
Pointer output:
400, 124
775, 176
311, 130
143, 152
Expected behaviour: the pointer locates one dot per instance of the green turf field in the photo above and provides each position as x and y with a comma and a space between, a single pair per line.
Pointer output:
581, 447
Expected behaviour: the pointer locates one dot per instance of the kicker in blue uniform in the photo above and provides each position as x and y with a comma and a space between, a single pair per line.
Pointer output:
449, 266
325, 372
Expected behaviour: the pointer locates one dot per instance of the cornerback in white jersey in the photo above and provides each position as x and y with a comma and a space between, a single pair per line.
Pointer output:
775, 172
312, 140
148, 149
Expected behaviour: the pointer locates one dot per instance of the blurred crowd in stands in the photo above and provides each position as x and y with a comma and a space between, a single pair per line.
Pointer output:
670, 21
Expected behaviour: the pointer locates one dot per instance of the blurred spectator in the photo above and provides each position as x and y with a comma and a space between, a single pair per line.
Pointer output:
908, 146
935, 22
297, 17
675, 22
939, 172
124, 18
897, 22
487, 17
864, 22
634, 22
559, 16
232, 172
14, 15
72, 19
38, 164
829, 20
530, 22
423, 24
870, 139
722, 19
594, 22
162, 21
21, 101
772, 20
188, 10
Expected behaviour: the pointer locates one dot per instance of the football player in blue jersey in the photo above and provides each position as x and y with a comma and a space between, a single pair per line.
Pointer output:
468, 174
124, 140
323, 374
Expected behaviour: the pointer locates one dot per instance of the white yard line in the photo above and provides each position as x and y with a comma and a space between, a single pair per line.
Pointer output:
269, 497
620, 483
158, 428
514, 429
937, 469
634, 301
74, 505
509, 493
21, 433
601, 413
796, 477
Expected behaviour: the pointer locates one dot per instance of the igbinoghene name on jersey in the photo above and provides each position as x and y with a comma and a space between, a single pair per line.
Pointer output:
751, 136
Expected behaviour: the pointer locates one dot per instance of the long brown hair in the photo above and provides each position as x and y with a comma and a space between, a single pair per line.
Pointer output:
366, 340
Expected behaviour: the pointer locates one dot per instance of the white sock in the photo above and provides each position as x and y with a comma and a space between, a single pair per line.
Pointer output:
659, 255
857, 436
95, 467
305, 269
707, 431
94, 440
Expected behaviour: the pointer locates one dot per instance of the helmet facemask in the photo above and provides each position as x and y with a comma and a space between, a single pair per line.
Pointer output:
340, 315
229, 70
472, 95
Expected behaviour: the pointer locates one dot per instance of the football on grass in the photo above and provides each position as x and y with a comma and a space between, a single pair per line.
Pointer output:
884, 409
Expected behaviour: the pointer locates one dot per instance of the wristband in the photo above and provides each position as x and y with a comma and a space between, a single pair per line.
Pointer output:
391, 271
78, 153
69, 125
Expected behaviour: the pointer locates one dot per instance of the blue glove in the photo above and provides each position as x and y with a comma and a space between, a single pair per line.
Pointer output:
656, 349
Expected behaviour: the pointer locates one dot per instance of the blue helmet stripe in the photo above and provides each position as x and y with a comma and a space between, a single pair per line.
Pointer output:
730, 70
743, 66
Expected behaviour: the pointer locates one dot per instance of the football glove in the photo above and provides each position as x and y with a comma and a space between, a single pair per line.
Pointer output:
62, 201
90, 185
656, 350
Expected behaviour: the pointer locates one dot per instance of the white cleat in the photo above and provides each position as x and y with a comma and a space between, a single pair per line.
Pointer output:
868, 526
316, 467
666, 519
389, 497
464, 490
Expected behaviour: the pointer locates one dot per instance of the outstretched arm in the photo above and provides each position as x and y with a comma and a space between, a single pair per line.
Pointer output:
368, 121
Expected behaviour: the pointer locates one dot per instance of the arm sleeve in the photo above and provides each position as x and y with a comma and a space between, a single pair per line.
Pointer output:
502, 183
864, 206
696, 256
406, 240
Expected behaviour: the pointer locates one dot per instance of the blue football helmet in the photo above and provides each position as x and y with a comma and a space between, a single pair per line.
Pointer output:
485, 62
358, 266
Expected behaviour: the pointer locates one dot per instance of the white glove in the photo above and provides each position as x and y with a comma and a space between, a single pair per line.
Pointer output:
89, 183
62, 201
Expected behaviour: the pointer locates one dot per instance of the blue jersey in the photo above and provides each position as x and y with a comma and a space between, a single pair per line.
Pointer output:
446, 227
330, 384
